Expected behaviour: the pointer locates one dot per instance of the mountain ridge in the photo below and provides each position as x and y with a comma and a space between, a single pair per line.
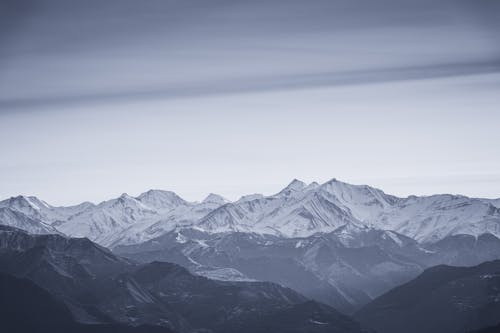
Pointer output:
298, 210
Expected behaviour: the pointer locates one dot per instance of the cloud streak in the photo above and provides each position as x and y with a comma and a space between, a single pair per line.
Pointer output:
69, 52
260, 84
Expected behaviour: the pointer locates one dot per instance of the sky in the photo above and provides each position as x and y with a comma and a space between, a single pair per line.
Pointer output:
98, 98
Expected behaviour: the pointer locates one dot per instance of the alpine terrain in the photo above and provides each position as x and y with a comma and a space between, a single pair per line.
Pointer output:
310, 249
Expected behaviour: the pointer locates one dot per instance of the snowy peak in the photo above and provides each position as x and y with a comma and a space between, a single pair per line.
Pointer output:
161, 200
14, 218
123, 201
339, 188
215, 198
295, 186
362, 201
22, 202
30, 206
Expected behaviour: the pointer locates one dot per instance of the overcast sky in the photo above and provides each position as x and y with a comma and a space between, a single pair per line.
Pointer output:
235, 97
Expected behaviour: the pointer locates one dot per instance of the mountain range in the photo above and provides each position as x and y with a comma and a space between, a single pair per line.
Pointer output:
337, 243
299, 210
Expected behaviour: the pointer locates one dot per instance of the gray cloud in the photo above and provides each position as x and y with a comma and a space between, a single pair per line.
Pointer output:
261, 84
58, 51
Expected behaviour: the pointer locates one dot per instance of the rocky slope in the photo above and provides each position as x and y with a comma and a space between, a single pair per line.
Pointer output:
100, 288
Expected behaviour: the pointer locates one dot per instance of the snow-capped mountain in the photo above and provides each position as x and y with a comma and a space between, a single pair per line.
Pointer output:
215, 199
161, 200
185, 214
299, 210
37, 209
123, 220
302, 210
429, 219
335, 242
127, 220
102, 222
13, 218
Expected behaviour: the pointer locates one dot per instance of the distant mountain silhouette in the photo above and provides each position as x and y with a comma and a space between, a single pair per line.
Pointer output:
442, 299
99, 287
27, 308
